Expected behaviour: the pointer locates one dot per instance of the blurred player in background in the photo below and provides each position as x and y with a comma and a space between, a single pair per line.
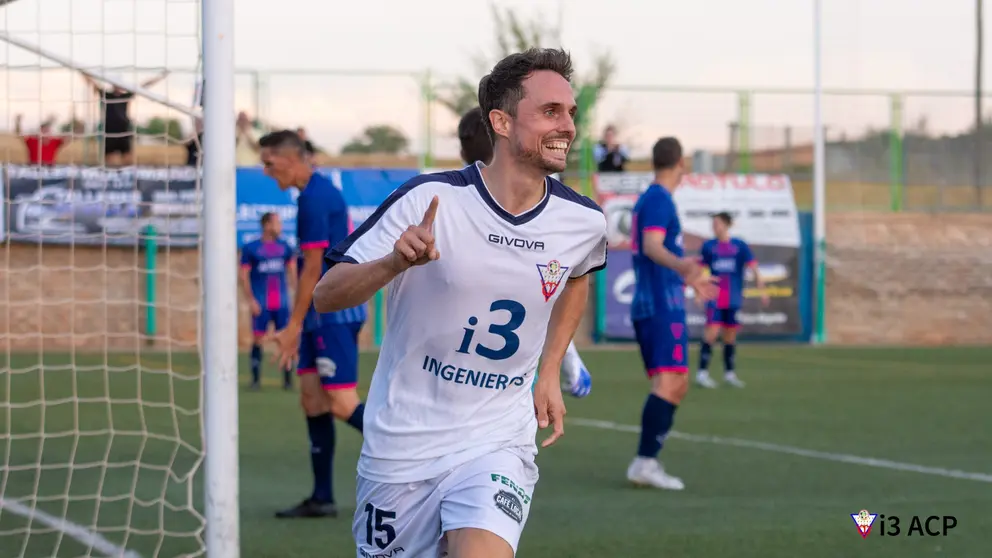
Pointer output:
324, 344
728, 260
448, 462
658, 309
268, 274
476, 146
118, 129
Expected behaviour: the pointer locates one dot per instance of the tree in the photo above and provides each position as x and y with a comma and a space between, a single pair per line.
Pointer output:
515, 35
381, 138
74, 126
158, 126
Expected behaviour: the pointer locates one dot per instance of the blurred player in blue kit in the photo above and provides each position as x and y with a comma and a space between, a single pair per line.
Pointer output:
476, 146
268, 274
324, 345
728, 260
658, 309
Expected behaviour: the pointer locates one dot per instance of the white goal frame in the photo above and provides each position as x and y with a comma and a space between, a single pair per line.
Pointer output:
219, 342
220, 284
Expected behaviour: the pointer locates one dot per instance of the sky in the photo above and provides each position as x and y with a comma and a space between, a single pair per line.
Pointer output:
882, 45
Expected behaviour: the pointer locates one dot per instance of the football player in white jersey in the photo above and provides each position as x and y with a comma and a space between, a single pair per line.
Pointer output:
488, 274
476, 146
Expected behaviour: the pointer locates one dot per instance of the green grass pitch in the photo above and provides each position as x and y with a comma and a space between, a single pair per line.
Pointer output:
791, 497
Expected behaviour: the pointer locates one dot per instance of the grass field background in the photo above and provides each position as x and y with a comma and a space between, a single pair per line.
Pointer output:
925, 407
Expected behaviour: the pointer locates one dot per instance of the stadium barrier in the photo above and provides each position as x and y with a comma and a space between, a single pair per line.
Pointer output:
765, 216
79, 210
153, 209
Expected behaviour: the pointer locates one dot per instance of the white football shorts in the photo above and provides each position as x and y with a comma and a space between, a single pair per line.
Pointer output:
492, 492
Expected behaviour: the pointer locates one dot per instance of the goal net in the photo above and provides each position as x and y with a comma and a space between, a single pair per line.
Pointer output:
101, 392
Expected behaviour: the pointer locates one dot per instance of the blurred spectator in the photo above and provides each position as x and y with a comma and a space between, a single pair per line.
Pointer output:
118, 130
306, 141
194, 146
247, 152
43, 147
610, 156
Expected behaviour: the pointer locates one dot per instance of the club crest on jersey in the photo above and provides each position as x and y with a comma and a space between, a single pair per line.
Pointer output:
551, 276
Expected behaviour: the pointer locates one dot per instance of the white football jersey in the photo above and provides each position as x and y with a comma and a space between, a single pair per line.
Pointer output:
464, 333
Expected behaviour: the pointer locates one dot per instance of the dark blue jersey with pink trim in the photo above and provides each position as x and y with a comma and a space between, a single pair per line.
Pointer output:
728, 262
322, 222
266, 263
658, 289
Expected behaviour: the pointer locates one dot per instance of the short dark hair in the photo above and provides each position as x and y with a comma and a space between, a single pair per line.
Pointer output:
666, 154
474, 137
267, 217
284, 139
502, 88
724, 216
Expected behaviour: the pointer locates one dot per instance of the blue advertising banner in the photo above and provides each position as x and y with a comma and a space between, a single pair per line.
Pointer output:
619, 294
114, 207
363, 190
765, 216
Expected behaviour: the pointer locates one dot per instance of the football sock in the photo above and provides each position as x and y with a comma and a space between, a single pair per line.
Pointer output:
728, 357
357, 418
705, 352
321, 429
256, 363
656, 421
287, 376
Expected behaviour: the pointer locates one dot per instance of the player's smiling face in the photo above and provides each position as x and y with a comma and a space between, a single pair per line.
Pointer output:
544, 126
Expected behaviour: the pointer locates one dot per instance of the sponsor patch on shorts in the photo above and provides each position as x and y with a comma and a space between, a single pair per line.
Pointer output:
509, 504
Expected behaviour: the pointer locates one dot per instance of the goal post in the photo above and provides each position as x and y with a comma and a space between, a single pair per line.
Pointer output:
119, 379
220, 303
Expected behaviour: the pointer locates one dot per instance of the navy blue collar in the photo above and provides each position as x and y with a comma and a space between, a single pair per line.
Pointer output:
474, 175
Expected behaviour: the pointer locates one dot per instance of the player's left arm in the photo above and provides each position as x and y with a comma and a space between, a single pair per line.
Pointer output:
749, 261
291, 271
565, 317
569, 308
564, 322
314, 221
313, 262
549, 406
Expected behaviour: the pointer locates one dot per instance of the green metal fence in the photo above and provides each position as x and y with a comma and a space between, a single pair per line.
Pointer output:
886, 150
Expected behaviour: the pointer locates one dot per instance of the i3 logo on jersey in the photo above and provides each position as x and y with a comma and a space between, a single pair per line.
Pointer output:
551, 276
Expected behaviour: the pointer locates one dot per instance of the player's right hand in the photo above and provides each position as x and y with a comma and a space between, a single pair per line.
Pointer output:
416, 245
704, 285
256, 308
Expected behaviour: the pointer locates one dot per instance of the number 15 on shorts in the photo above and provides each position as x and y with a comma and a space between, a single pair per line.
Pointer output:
378, 531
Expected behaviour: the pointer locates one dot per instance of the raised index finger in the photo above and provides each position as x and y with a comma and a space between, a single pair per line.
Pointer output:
429, 215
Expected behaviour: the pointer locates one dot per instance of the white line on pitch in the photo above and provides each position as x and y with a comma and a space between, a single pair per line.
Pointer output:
83, 535
791, 450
